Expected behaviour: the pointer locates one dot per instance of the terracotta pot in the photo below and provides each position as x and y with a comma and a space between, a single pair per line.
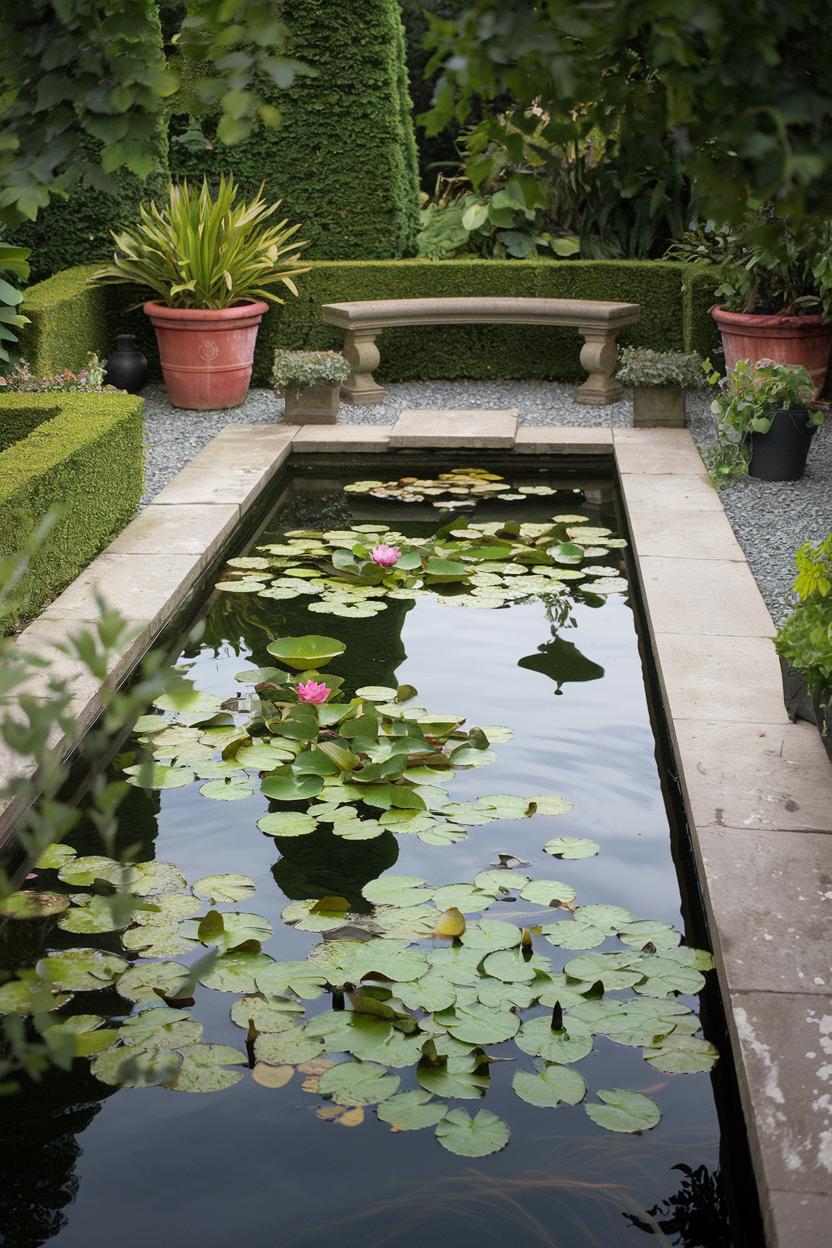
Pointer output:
785, 339
206, 353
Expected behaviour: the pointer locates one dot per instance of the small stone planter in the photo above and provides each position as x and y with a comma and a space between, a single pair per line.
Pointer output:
659, 407
311, 405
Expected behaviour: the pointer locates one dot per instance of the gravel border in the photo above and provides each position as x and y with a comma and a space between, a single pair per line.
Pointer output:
770, 519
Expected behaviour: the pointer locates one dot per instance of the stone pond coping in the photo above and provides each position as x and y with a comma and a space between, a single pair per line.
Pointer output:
757, 788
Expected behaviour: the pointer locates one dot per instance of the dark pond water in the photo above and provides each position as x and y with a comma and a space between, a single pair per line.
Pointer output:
83, 1164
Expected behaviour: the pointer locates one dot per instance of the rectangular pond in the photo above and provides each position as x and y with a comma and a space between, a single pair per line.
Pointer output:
488, 757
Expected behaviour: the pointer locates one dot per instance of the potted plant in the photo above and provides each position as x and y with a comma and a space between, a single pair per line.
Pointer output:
774, 300
311, 385
804, 641
765, 417
659, 380
213, 260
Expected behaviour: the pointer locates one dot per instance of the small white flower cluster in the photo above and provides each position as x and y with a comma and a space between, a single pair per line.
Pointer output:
309, 368
640, 366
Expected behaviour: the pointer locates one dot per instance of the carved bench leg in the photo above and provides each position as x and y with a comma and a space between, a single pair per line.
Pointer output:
598, 357
361, 352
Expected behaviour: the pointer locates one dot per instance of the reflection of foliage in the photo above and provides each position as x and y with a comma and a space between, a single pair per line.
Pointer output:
562, 662
695, 1215
325, 865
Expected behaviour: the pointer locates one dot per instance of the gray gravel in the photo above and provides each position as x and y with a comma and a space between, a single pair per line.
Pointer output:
770, 520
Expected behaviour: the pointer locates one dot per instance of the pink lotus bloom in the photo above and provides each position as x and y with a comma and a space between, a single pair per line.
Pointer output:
385, 556
33, 875
313, 692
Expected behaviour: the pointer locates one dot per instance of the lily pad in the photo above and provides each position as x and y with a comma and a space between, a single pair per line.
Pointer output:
358, 1083
226, 887
548, 893
227, 790
152, 981
158, 776
291, 1046
273, 1014
130, 1067
624, 1111
205, 1068
411, 1111
285, 785
571, 847
303, 978
287, 823
30, 904
553, 1086
91, 914
457, 1078
236, 972
303, 653
54, 857
537, 1037
610, 969
681, 1054
479, 1136
479, 1024
81, 970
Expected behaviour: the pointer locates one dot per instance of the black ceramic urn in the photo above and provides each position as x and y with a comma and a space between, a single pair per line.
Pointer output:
126, 367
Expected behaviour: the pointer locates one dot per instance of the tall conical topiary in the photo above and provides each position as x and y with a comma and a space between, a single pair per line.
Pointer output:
343, 158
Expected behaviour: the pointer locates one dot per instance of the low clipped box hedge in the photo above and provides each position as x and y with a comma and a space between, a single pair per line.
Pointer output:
70, 317
80, 453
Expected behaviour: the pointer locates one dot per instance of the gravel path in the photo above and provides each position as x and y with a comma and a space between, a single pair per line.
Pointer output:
770, 520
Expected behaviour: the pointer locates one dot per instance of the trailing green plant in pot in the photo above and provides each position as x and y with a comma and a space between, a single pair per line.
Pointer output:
214, 261
804, 640
659, 381
775, 292
310, 382
765, 417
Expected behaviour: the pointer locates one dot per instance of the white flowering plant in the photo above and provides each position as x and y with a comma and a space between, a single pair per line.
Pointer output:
309, 368
643, 367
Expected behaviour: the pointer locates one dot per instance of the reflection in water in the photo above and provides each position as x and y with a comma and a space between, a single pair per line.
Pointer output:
325, 865
562, 662
695, 1215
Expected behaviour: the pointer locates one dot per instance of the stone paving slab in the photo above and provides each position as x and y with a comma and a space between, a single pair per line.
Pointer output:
755, 775
664, 452
667, 494
714, 598
785, 1052
682, 533
235, 467
571, 440
799, 1218
184, 529
464, 428
720, 678
355, 439
769, 898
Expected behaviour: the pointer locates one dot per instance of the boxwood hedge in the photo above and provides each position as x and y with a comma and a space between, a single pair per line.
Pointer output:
79, 453
70, 318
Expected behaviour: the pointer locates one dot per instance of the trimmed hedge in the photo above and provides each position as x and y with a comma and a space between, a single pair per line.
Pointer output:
70, 318
343, 159
83, 455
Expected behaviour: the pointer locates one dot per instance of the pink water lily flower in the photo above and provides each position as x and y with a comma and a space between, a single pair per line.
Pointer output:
312, 691
385, 556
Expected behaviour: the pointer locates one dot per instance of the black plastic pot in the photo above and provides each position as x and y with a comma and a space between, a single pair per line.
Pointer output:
126, 367
800, 704
780, 454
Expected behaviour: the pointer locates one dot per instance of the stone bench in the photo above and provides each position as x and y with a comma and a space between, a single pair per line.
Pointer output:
596, 321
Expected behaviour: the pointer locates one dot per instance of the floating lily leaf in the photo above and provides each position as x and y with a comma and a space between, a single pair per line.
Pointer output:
432, 993
272, 1076
681, 1054
550, 804
229, 930
396, 890
468, 756
159, 776
442, 834
513, 966
664, 977
287, 823
558, 990
87, 1035
641, 932
152, 981
81, 970
490, 935
158, 940
458, 964
571, 847
607, 585
302, 978
256, 675
456, 1078
358, 1083
611, 969
30, 904
227, 887
161, 1028
227, 790
643, 1022
86, 870
553, 1086
205, 1068
571, 934
135, 1067
465, 897
324, 914
91, 914
284, 785
479, 1136
411, 1111
500, 881
624, 1111
291, 1046
608, 918
303, 653
54, 857
191, 705
236, 972
478, 1024
272, 1014
358, 829
506, 805
537, 1037
548, 893
352, 961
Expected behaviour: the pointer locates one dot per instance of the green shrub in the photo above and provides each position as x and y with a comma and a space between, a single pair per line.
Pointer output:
309, 368
643, 367
70, 318
81, 453
343, 159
